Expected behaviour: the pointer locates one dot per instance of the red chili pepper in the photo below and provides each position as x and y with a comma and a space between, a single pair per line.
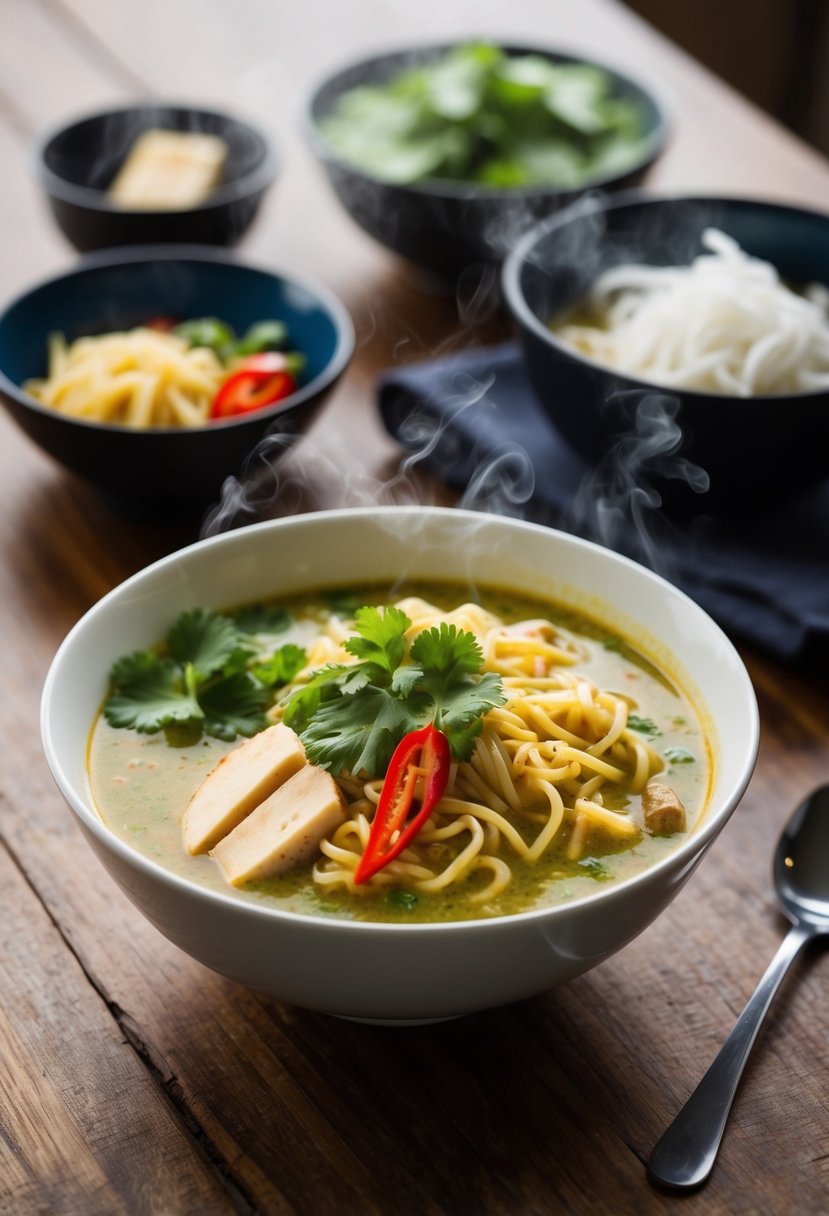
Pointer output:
421, 756
259, 381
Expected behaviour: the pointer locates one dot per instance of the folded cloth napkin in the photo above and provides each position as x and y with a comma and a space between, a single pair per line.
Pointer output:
762, 573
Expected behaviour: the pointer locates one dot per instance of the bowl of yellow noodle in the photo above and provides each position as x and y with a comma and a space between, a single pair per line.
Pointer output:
586, 702
87, 371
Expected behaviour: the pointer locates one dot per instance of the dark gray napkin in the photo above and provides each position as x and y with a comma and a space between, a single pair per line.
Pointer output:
762, 572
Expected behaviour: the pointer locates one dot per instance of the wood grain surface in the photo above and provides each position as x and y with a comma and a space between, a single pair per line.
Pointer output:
133, 1080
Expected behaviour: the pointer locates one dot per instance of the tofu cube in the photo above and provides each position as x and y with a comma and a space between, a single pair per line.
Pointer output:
239, 782
169, 171
285, 830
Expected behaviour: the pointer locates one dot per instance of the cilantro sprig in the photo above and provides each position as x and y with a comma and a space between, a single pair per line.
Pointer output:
213, 675
209, 674
352, 715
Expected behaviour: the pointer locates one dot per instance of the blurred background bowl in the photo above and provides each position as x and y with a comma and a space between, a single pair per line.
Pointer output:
444, 226
400, 972
156, 469
76, 164
747, 445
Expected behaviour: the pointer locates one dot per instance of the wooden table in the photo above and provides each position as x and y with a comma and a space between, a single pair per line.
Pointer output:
135, 1081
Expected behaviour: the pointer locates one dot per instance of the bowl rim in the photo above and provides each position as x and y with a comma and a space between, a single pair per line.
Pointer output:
465, 191
249, 183
129, 254
596, 204
691, 849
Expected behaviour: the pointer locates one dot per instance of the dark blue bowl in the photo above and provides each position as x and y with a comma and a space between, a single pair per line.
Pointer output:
170, 467
76, 164
447, 226
748, 446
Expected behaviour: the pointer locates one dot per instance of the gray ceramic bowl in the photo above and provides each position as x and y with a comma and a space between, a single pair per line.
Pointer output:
747, 445
445, 226
400, 972
168, 470
76, 163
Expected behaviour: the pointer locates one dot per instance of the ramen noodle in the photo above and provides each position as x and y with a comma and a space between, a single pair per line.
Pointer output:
138, 378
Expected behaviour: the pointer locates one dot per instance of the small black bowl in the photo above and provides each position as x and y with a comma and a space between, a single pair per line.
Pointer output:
748, 446
173, 470
77, 163
446, 226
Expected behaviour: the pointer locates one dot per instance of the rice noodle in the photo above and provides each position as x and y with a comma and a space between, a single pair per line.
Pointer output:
723, 324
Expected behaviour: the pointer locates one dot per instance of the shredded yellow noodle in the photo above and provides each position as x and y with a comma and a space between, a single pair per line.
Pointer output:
534, 781
139, 378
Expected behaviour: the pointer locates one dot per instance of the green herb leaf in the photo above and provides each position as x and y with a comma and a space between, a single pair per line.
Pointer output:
234, 706
149, 693
679, 755
595, 868
380, 637
206, 331
357, 732
209, 641
403, 901
264, 335
645, 726
262, 618
281, 667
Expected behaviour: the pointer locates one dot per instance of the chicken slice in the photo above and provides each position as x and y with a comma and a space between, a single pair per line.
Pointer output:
285, 830
663, 809
239, 782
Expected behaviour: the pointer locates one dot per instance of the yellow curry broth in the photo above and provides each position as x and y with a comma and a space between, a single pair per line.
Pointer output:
141, 785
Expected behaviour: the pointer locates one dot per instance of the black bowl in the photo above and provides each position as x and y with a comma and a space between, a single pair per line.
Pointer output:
175, 469
748, 446
446, 226
77, 163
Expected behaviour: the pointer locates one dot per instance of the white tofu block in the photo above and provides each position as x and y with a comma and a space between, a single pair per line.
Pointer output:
239, 782
285, 830
169, 171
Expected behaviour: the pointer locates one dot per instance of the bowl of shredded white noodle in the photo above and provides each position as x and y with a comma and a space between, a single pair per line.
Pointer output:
693, 328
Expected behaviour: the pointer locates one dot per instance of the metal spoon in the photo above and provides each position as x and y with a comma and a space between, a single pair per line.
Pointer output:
685, 1154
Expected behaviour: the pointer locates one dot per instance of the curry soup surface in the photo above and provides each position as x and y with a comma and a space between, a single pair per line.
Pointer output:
140, 784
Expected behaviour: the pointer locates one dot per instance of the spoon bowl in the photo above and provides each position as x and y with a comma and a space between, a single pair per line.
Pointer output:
685, 1155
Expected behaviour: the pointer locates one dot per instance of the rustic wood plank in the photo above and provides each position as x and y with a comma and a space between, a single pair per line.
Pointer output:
82, 1126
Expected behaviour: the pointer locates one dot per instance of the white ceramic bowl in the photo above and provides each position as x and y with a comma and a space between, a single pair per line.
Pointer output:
384, 972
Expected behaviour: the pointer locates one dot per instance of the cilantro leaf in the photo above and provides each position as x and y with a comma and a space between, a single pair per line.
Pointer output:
595, 868
381, 637
149, 693
282, 666
357, 733
206, 639
679, 755
645, 726
449, 658
234, 706
262, 618
460, 707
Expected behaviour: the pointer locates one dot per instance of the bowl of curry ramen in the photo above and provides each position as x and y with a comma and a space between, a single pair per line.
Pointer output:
399, 764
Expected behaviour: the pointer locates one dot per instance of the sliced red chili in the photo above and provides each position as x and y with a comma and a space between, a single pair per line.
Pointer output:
420, 764
259, 381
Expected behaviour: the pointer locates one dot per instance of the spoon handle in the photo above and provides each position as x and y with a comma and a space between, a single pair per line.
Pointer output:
685, 1154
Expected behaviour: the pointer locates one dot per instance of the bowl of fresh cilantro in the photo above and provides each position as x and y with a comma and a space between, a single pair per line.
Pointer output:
446, 154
